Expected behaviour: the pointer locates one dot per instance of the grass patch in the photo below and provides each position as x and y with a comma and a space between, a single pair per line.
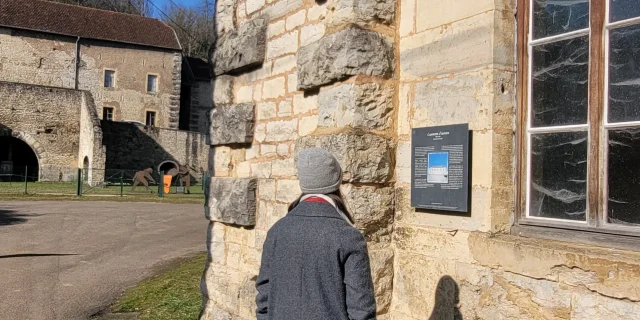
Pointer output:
60, 191
172, 295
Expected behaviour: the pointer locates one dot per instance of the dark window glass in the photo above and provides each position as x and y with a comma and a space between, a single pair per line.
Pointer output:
107, 114
624, 74
624, 176
623, 9
560, 75
109, 78
151, 118
553, 17
152, 83
559, 175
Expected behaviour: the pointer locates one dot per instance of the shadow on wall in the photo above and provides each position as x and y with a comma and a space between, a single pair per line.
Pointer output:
130, 147
447, 300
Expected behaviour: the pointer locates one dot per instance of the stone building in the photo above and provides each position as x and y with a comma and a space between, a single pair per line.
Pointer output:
549, 92
90, 88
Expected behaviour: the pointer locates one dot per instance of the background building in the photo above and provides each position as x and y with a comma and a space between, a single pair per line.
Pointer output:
90, 88
549, 90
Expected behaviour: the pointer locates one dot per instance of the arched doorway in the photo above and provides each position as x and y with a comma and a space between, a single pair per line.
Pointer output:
167, 165
16, 159
85, 170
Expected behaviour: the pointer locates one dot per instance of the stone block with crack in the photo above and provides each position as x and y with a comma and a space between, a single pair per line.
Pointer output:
232, 201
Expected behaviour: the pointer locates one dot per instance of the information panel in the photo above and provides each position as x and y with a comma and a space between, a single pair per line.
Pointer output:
440, 168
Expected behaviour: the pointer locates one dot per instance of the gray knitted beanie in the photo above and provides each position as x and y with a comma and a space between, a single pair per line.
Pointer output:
318, 171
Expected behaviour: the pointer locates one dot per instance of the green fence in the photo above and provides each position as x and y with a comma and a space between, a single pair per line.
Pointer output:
96, 182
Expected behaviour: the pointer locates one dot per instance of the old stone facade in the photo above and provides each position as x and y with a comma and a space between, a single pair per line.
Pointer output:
355, 78
132, 79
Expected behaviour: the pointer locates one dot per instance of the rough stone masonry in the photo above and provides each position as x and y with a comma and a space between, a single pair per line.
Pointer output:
355, 77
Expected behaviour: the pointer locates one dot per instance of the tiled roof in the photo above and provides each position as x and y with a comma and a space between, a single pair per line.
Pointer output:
77, 21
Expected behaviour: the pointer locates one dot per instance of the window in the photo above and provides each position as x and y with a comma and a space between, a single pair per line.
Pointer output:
151, 118
152, 83
109, 79
580, 121
107, 114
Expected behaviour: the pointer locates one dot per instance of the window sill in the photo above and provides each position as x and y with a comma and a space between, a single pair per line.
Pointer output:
579, 237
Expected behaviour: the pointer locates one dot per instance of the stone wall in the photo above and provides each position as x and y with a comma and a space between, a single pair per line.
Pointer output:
47, 119
49, 60
355, 78
91, 147
129, 97
131, 146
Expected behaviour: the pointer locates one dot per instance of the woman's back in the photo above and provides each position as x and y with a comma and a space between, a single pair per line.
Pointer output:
315, 266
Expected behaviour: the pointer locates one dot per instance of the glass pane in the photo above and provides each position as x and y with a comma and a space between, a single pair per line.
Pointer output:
624, 74
560, 74
553, 17
624, 177
623, 9
559, 175
151, 83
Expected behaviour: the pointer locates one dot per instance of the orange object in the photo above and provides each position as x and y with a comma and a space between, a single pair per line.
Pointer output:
167, 183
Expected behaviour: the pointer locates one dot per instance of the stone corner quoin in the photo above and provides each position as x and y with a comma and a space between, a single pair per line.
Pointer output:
348, 52
232, 124
232, 201
241, 48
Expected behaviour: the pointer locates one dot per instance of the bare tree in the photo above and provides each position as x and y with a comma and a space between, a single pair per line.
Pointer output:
139, 7
193, 25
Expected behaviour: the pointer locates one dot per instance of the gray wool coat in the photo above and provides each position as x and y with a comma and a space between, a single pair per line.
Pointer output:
315, 266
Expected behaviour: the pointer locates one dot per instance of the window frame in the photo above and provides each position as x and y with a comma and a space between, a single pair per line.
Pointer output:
104, 78
596, 207
112, 113
157, 83
146, 117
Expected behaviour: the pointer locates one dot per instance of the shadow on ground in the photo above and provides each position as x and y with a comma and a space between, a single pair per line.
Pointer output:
10, 217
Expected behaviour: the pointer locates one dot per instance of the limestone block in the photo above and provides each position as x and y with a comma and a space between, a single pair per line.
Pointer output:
311, 33
241, 48
267, 189
366, 105
382, 274
225, 16
284, 108
408, 17
282, 130
232, 124
362, 12
254, 5
296, 19
403, 162
588, 306
284, 167
274, 88
275, 29
266, 110
288, 191
370, 207
365, 158
307, 125
288, 43
351, 51
304, 104
223, 90
317, 12
292, 82
232, 201
284, 64
280, 9
245, 94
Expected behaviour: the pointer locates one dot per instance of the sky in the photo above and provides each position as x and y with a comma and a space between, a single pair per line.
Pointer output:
162, 3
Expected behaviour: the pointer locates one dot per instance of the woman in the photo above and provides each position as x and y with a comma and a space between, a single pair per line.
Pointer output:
315, 264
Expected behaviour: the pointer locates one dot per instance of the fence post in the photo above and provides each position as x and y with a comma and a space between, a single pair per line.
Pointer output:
121, 183
161, 185
26, 182
79, 189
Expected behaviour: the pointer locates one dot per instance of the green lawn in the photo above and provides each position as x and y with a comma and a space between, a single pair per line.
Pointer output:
172, 295
67, 191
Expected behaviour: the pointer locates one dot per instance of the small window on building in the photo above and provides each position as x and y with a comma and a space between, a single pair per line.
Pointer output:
109, 78
152, 83
151, 118
107, 114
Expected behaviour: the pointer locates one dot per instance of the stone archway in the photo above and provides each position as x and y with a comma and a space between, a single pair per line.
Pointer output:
18, 158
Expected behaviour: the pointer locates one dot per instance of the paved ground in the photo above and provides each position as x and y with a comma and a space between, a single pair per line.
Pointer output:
69, 260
